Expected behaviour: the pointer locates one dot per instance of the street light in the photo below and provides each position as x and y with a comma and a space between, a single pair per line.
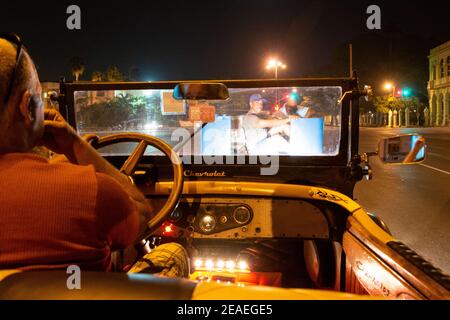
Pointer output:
390, 87
275, 64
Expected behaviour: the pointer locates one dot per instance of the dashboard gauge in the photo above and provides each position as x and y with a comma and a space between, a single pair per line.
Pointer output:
241, 215
207, 223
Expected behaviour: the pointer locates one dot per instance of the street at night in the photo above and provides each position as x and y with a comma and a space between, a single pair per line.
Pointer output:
413, 200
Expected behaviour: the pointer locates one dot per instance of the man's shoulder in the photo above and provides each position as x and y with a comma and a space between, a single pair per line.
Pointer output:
69, 168
40, 179
31, 162
62, 171
19, 157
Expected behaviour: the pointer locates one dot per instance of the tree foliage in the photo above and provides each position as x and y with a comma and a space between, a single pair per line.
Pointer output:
385, 103
77, 67
123, 111
98, 76
413, 103
114, 74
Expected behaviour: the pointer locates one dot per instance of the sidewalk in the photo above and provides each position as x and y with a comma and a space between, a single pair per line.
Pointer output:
444, 131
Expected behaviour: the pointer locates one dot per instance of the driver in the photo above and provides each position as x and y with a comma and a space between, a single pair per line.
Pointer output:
59, 213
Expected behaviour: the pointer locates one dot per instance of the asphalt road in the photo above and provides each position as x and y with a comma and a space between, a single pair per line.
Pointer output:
414, 200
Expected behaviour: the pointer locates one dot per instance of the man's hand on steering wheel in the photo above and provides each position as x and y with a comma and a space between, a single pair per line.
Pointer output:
61, 138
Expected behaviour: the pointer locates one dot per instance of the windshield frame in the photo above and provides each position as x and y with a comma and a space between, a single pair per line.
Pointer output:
67, 109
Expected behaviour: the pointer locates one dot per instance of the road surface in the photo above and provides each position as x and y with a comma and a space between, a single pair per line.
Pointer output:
414, 200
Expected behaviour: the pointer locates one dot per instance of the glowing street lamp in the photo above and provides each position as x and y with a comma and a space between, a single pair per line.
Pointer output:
275, 64
390, 87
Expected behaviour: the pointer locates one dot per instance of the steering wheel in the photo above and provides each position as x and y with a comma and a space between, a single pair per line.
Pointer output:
133, 160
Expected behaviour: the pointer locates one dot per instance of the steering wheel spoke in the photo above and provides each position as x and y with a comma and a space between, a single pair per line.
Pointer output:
130, 165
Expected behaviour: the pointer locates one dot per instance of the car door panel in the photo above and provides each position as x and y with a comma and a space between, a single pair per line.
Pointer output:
383, 266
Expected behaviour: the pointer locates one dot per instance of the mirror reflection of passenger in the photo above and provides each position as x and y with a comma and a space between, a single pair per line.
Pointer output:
412, 155
305, 109
263, 135
288, 109
296, 105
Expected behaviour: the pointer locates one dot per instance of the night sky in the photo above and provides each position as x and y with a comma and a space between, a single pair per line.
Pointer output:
170, 40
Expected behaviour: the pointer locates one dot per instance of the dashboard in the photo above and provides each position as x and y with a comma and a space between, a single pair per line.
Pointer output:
244, 218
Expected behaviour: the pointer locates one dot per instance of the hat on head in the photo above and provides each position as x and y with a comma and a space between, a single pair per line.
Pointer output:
257, 97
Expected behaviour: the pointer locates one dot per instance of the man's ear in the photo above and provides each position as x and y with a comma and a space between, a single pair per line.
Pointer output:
25, 108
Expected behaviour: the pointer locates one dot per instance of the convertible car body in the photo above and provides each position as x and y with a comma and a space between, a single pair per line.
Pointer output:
273, 219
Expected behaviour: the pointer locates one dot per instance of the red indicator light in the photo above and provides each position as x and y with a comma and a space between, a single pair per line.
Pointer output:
168, 229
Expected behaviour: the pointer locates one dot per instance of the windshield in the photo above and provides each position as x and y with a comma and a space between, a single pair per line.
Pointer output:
289, 121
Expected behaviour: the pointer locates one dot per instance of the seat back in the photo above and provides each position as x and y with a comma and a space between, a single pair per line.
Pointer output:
49, 285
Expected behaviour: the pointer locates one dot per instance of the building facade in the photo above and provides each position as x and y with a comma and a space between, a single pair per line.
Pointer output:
439, 85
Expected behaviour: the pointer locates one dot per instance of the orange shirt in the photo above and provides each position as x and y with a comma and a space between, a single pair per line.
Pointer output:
55, 215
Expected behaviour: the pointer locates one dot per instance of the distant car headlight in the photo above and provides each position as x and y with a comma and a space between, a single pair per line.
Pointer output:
207, 223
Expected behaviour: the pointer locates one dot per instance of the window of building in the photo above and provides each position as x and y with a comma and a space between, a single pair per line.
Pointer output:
441, 69
448, 66
433, 72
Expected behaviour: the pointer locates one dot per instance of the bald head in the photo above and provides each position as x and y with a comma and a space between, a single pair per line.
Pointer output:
21, 117
24, 77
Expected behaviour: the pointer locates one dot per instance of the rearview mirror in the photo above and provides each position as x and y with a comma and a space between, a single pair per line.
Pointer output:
402, 149
200, 91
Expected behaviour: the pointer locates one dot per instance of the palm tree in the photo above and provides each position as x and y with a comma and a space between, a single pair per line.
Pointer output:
77, 65
97, 76
113, 74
